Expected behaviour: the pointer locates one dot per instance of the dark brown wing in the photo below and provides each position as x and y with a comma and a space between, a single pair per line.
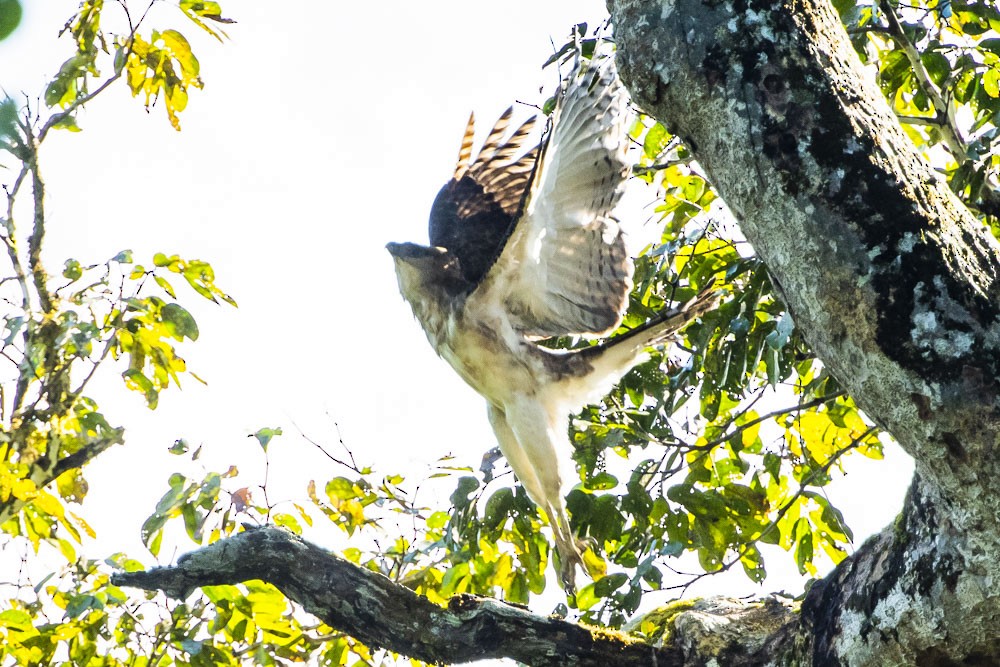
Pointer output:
475, 211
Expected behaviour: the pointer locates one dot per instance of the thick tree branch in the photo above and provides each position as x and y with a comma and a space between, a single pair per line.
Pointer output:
38, 223
895, 285
384, 614
905, 558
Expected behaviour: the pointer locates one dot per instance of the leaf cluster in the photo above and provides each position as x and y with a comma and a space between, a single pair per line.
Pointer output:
939, 66
59, 330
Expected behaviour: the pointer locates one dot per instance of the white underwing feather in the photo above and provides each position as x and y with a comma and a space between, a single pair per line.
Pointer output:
567, 236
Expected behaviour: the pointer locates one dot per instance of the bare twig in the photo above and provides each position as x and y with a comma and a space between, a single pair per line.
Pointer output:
927, 121
10, 240
660, 166
353, 466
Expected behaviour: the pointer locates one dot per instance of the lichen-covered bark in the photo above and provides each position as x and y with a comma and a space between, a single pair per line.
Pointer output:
892, 281
381, 613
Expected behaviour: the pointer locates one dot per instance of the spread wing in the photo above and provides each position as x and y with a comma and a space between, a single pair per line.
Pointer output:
474, 212
565, 268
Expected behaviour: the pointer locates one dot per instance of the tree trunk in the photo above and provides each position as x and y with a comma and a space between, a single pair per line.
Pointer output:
894, 284
892, 281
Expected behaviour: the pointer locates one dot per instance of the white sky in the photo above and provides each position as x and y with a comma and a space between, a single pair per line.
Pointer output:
324, 131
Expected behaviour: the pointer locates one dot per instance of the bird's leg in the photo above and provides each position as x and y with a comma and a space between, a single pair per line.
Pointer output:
529, 435
570, 548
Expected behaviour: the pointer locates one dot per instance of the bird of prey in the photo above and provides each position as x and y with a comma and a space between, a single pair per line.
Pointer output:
524, 247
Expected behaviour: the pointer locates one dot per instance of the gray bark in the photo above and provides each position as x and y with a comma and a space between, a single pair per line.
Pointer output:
894, 284
381, 613
892, 281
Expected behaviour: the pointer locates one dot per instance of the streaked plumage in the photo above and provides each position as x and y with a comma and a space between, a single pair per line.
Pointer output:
524, 247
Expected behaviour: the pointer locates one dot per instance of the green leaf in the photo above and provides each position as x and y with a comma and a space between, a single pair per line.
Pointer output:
753, 564
602, 481
160, 259
550, 105
778, 338
212, 11
179, 321
609, 584
607, 522
66, 122
497, 508
455, 580
834, 520
81, 603
287, 521
15, 619
201, 8
466, 486
587, 597
438, 520
13, 326
265, 435
72, 270
991, 82
165, 286
181, 50
137, 381
8, 117
10, 17
804, 546
937, 66
180, 446
657, 139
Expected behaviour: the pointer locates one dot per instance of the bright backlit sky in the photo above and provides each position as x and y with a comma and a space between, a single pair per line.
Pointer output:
325, 130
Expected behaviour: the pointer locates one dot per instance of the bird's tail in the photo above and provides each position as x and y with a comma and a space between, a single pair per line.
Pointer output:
613, 358
664, 325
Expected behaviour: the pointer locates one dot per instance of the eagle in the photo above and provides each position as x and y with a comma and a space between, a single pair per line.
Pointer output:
523, 248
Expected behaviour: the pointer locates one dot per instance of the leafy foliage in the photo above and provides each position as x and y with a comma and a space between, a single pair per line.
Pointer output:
158, 66
715, 448
163, 66
58, 331
939, 66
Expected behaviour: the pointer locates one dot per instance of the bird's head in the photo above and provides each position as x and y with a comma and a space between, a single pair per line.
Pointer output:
426, 272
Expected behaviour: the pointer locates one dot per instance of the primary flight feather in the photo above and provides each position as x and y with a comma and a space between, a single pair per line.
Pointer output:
524, 247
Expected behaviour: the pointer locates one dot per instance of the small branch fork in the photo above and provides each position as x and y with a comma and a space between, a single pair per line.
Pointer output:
944, 110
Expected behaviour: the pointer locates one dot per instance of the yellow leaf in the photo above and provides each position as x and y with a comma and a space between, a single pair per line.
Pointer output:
65, 631
822, 438
595, 566
749, 435
488, 550
180, 49
67, 550
23, 489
